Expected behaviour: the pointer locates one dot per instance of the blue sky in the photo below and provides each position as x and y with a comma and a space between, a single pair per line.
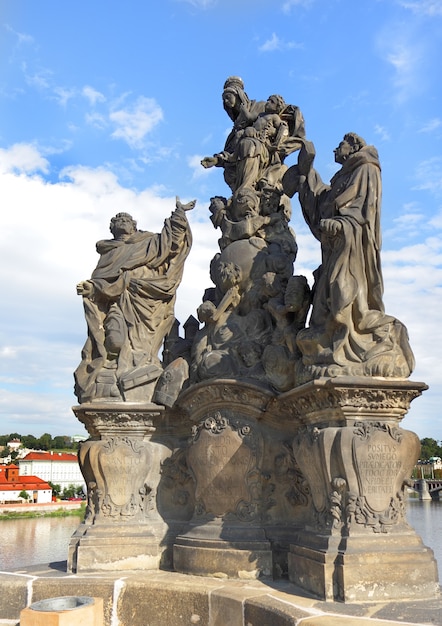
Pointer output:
109, 105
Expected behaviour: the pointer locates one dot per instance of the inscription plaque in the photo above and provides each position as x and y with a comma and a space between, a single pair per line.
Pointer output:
380, 463
220, 459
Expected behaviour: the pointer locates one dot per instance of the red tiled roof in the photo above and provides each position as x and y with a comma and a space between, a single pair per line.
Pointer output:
24, 482
47, 456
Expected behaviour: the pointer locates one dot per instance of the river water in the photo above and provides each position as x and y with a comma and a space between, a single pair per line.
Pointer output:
43, 540
33, 541
426, 519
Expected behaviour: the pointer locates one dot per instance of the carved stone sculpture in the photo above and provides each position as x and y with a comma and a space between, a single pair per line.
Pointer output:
243, 112
349, 331
257, 306
259, 447
129, 308
260, 148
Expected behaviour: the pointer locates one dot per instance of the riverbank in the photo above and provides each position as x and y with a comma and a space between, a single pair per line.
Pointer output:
61, 507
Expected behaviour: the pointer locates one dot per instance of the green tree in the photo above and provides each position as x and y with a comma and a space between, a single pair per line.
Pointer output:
69, 492
29, 441
14, 436
56, 489
429, 448
24, 494
45, 441
61, 442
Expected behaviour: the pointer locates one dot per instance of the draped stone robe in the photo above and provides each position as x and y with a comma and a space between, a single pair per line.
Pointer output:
132, 308
349, 329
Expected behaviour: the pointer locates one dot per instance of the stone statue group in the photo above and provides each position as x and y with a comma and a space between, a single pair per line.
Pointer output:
266, 441
260, 321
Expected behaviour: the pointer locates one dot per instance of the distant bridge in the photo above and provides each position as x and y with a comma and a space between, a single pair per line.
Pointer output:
427, 488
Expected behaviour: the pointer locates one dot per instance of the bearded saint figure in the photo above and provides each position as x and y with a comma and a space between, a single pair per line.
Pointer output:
129, 307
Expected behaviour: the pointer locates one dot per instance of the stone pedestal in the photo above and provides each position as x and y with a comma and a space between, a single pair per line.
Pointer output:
234, 454
357, 545
121, 465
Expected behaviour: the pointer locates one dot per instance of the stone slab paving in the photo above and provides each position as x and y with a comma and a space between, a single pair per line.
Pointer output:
160, 598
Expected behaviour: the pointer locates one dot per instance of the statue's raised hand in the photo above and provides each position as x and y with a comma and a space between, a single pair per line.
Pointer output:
208, 162
85, 288
186, 207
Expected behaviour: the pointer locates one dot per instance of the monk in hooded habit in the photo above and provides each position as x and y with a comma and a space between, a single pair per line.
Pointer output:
349, 332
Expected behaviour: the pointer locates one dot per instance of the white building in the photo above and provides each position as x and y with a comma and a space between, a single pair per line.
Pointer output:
59, 468
14, 444
12, 485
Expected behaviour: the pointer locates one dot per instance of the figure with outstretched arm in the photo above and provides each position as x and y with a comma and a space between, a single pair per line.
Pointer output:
257, 145
349, 331
129, 307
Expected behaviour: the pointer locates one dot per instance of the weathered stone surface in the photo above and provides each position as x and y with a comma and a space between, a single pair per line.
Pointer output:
357, 461
160, 598
248, 489
157, 604
355, 569
221, 559
277, 448
266, 610
121, 466
227, 604
349, 332
129, 308
14, 595
418, 612
333, 620
115, 549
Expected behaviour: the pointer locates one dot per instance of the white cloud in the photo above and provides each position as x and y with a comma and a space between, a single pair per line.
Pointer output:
22, 158
8, 352
276, 43
403, 59
48, 237
436, 220
40, 79
289, 4
97, 120
432, 125
198, 171
429, 8
92, 95
429, 175
403, 52
135, 122
63, 95
382, 132
413, 292
21, 38
410, 221
47, 243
